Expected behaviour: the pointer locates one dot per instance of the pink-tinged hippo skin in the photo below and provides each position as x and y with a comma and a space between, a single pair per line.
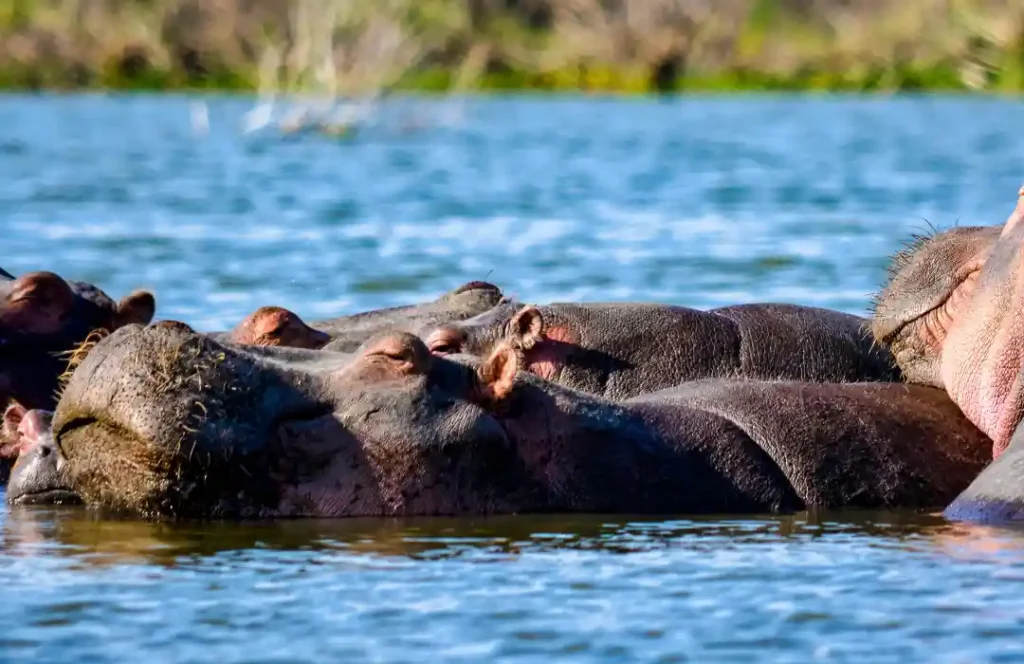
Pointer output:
38, 475
42, 317
276, 326
163, 423
983, 352
983, 371
621, 350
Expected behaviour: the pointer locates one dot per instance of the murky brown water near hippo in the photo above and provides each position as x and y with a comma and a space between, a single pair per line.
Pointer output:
697, 201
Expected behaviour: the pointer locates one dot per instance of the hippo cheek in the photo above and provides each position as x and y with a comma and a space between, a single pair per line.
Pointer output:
323, 470
455, 460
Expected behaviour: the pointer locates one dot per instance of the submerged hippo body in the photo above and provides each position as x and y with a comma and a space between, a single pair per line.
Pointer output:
620, 350
160, 422
43, 318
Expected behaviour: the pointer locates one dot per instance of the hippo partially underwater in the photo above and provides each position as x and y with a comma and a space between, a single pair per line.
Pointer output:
585, 408
162, 422
43, 317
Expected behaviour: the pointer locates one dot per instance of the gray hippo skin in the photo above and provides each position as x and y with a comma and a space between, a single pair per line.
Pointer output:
160, 422
621, 350
470, 299
997, 495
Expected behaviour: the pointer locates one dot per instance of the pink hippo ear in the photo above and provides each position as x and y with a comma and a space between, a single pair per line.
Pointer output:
138, 307
527, 327
497, 375
1017, 216
9, 436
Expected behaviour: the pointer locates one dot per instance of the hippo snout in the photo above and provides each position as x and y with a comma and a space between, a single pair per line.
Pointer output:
40, 474
158, 418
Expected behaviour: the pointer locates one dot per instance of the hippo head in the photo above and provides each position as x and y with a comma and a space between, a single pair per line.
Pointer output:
38, 475
43, 316
469, 299
929, 284
161, 422
275, 326
474, 336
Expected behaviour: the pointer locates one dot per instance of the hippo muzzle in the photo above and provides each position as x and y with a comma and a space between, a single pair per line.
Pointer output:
161, 420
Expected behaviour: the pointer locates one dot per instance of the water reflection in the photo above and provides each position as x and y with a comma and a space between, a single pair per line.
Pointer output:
843, 586
99, 539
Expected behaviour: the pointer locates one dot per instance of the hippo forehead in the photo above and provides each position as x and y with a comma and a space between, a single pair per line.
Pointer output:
92, 294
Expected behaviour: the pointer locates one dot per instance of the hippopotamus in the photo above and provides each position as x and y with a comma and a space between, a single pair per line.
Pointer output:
38, 475
470, 299
43, 316
621, 350
277, 326
163, 423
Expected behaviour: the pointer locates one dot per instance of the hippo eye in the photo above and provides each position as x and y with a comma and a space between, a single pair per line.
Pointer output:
396, 355
444, 348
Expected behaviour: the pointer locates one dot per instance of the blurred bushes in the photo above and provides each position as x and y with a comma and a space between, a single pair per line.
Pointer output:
365, 46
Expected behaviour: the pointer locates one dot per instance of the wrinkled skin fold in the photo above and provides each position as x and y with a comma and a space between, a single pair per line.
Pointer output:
164, 423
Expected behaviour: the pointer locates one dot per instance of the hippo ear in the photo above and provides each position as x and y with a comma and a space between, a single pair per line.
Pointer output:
527, 327
1017, 216
497, 375
138, 307
13, 416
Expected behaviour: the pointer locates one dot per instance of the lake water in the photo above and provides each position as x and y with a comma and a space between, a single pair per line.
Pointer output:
694, 201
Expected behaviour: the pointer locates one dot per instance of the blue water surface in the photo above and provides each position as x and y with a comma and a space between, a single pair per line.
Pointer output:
695, 201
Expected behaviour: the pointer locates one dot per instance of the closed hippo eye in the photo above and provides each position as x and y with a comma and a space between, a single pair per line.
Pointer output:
400, 347
445, 341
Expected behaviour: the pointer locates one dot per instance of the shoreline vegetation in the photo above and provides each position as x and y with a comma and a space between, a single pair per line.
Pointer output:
359, 48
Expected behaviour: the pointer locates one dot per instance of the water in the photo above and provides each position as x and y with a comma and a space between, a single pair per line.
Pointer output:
699, 202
